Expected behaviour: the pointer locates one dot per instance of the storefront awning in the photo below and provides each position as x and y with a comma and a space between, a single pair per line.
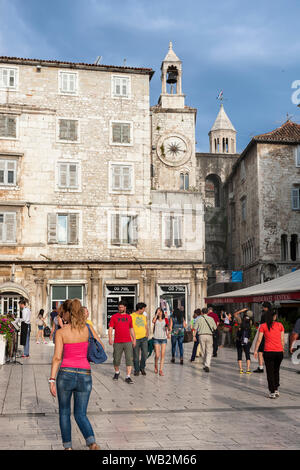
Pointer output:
283, 288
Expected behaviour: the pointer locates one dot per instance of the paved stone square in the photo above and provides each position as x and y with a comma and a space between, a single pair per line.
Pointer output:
186, 409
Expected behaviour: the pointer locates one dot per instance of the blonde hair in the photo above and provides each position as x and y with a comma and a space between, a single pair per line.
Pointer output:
75, 312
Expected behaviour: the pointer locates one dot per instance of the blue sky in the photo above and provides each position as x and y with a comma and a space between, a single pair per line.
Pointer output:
250, 50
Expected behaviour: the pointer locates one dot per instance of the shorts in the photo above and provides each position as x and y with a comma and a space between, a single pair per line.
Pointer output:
159, 341
118, 351
40, 327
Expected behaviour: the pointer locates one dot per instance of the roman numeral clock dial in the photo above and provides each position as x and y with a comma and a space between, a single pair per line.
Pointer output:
173, 150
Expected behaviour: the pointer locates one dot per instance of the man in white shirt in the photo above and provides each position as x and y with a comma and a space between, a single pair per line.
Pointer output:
26, 317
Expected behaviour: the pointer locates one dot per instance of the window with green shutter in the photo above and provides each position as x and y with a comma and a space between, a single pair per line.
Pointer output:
8, 172
63, 229
124, 229
8, 227
68, 175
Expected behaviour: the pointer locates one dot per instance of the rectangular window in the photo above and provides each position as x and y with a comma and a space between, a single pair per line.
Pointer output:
121, 177
60, 293
298, 156
244, 209
173, 231
68, 83
124, 229
121, 133
120, 87
63, 229
68, 175
295, 198
8, 126
8, 227
8, 172
8, 77
68, 130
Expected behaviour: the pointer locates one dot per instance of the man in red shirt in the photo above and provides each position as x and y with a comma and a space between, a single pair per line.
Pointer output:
216, 333
124, 340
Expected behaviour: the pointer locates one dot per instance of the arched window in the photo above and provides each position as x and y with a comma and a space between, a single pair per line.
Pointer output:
294, 247
184, 181
213, 190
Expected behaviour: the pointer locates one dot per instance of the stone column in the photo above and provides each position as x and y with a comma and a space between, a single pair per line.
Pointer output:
38, 301
96, 315
201, 287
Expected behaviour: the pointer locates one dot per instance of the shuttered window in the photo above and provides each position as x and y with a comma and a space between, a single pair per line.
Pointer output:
8, 126
8, 227
121, 133
121, 87
8, 77
63, 229
173, 231
121, 177
124, 229
68, 175
8, 172
68, 82
295, 198
68, 130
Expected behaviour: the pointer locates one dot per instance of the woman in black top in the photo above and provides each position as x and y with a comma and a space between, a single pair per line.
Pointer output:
243, 343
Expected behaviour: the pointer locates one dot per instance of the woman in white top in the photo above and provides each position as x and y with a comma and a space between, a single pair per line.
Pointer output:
160, 337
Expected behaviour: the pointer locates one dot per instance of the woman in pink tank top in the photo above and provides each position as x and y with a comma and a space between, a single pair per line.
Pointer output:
73, 373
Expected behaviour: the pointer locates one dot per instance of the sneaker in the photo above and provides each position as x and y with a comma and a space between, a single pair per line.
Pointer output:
25, 356
143, 372
248, 372
173, 359
37, 342
272, 395
276, 393
136, 373
116, 376
241, 371
258, 370
206, 369
181, 362
128, 380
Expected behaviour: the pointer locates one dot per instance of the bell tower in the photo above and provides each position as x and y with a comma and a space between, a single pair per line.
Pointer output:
171, 81
222, 136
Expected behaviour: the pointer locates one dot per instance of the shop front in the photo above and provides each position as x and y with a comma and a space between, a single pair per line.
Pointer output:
173, 296
116, 293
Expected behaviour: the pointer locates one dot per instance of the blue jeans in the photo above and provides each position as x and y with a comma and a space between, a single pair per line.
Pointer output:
175, 340
141, 344
26, 347
76, 382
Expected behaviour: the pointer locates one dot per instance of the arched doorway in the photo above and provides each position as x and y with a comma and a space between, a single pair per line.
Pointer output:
10, 295
213, 190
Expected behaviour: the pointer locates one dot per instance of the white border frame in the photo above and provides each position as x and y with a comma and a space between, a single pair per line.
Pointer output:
16, 87
68, 118
128, 97
125, 245
66, 93
131, 191
68, 190
66, 245
119, 144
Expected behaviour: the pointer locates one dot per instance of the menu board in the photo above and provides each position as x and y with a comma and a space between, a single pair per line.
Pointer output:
112, 307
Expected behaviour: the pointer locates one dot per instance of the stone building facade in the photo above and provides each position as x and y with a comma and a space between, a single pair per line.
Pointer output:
91, 195
263, 206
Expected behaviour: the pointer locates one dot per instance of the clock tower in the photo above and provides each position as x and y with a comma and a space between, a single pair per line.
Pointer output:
173, 132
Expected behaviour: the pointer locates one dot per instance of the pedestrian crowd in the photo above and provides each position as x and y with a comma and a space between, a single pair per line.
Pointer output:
129, 335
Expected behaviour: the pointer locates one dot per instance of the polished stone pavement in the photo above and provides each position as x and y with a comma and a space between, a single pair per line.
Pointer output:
187, 408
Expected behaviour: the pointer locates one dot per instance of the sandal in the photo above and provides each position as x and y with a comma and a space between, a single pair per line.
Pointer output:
94, 446
155, 369
161, 372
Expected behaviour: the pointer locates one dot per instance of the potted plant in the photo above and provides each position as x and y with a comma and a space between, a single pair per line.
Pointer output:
6, 337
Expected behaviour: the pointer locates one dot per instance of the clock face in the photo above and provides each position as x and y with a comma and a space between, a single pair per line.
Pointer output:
173, 150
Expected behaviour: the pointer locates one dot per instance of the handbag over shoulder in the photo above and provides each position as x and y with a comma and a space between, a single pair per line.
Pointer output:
95, 351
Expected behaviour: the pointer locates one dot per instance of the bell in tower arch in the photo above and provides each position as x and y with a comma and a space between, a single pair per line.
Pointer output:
172, 77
